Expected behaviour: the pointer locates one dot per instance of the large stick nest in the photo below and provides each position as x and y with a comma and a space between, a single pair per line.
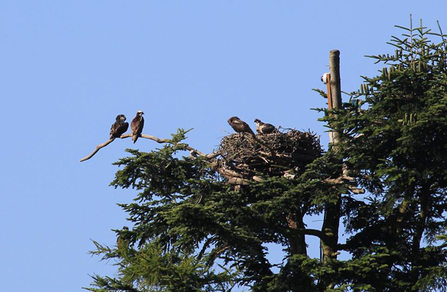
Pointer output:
276, 154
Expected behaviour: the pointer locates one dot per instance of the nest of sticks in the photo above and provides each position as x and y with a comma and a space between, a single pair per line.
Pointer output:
284, 153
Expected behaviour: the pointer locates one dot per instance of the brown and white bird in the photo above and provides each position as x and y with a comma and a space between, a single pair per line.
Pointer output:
119, 127
264, 128
137, 126
239, 126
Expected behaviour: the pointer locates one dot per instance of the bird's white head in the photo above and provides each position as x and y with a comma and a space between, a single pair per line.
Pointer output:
325, 78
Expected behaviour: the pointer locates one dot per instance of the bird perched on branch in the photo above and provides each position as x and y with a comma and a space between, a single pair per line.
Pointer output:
264, 128
239, 126
137, 126
119, 127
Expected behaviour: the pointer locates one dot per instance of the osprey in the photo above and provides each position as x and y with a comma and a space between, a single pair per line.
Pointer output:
264, 128
239, 126
137, 126
119, 127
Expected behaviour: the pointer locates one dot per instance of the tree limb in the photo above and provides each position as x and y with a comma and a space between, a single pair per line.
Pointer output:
97, 149
313, 232
153, 138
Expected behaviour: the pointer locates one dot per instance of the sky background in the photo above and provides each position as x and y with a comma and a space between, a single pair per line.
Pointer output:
67, 68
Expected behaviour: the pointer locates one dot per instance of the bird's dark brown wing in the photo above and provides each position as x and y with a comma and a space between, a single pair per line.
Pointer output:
122, 129
113, 129
240, 126
137, 127
134, 125
267, 128
118, 129
247, 128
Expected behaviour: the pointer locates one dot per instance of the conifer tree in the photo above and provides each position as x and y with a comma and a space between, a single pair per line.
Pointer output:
194, 231
395, 141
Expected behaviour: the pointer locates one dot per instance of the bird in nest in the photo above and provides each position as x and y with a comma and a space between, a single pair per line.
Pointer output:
239, 125
264, 128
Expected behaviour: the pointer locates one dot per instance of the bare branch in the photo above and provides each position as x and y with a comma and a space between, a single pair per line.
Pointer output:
97, 149
193, 151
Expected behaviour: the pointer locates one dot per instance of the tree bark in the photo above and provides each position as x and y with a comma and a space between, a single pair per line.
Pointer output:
297, 240
331, 220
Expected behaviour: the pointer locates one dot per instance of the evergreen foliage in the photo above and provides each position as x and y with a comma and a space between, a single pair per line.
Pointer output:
394, 141
192, 231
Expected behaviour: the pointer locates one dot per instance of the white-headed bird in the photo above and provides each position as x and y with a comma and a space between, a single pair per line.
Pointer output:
264, 128
137, 126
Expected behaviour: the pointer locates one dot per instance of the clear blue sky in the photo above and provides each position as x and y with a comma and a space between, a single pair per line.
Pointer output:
67, 68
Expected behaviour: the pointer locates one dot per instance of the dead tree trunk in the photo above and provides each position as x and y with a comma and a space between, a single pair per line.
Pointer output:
331, 220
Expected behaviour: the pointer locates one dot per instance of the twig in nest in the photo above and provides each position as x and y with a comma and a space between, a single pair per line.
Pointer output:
153, 138
283, 149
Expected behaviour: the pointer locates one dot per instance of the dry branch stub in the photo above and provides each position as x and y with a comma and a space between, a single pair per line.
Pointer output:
283, 153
